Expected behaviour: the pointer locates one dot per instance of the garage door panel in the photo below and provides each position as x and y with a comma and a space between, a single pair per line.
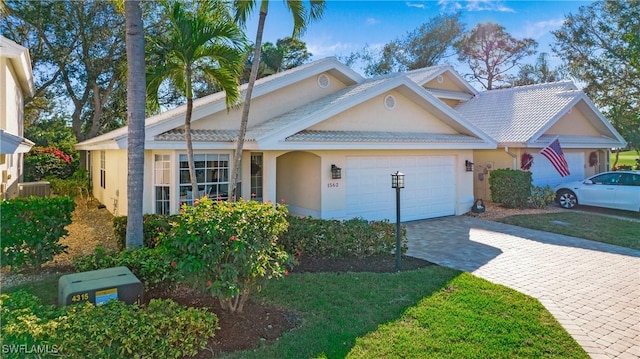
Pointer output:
543, 173
429, 187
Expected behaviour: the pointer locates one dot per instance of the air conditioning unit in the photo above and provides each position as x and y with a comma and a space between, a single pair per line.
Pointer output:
38, 189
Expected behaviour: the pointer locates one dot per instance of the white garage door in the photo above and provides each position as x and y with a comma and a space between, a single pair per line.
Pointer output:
429, 187
544, 173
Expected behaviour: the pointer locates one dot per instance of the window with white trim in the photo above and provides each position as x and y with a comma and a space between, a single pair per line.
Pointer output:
256, 176
212, 175
162, 183
103, 170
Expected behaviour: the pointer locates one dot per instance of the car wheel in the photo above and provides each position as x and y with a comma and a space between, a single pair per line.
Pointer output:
566, 199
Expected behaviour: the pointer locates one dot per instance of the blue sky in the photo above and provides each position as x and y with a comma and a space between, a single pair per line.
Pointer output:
348, 25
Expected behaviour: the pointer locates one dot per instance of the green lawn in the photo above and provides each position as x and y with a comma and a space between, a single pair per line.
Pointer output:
584, 225
431, 312
625, 158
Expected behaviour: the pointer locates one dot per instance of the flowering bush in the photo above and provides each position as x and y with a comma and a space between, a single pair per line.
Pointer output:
43, 162
231, 247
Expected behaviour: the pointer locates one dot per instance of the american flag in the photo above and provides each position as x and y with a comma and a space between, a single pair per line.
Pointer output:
553, 152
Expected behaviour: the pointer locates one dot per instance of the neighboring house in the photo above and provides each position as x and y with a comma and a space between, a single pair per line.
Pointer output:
16, 83
304, 123
526, 119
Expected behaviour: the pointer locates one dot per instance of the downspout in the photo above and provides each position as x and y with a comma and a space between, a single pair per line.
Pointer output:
513, 156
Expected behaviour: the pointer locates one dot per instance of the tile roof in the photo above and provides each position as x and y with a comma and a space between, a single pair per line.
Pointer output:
518, 113
377, 136
201, 135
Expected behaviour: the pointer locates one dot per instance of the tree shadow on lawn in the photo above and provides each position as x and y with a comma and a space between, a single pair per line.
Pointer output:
348, 299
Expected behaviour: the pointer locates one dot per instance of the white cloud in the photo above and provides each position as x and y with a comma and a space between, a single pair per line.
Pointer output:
372, 21
320, 50
539, 29
415, 4
474, 5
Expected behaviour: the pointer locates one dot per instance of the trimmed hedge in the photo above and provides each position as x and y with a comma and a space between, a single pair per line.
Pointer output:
32, 228
162, 329
306, 236
333, 238
150, 265
511, 188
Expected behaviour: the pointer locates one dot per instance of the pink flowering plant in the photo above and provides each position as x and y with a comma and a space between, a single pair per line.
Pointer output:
230, 247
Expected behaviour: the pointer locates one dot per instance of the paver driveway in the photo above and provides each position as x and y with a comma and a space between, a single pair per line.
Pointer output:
592, 288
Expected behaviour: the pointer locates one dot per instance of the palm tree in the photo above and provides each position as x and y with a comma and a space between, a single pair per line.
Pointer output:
302, 16
136, 99
205, 40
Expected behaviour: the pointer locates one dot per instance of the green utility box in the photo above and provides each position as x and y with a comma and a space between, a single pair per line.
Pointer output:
100, 286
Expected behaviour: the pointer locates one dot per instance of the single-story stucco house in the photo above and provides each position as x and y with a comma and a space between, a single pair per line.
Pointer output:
320, 116
16, 83
523, 120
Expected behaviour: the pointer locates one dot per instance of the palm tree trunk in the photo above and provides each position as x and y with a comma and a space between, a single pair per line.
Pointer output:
187, 136
136, 102
237, 158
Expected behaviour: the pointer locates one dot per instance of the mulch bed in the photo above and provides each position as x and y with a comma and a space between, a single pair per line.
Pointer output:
262, 323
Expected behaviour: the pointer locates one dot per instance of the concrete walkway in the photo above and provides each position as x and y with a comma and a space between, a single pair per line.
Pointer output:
591, 288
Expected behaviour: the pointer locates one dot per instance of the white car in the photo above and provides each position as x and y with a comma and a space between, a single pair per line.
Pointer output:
615, 189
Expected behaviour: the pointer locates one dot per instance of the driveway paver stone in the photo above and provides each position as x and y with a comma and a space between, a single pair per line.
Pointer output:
591, 288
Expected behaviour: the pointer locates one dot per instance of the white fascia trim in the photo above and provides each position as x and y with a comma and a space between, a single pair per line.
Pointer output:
14, 144
102, 145
453, 114
450, 95
21, 62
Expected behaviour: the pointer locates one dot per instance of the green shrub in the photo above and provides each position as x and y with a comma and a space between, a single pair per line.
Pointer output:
31, 230
150, 265
163, 329
153, 226
230, 247
77, 184
541, 197
511, 188
25, 320
332, 238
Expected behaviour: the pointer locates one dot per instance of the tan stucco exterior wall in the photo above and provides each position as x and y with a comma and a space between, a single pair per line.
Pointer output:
298, 182
407, 116
11, 119
276, 103
447, 84
573, 123
114, 195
